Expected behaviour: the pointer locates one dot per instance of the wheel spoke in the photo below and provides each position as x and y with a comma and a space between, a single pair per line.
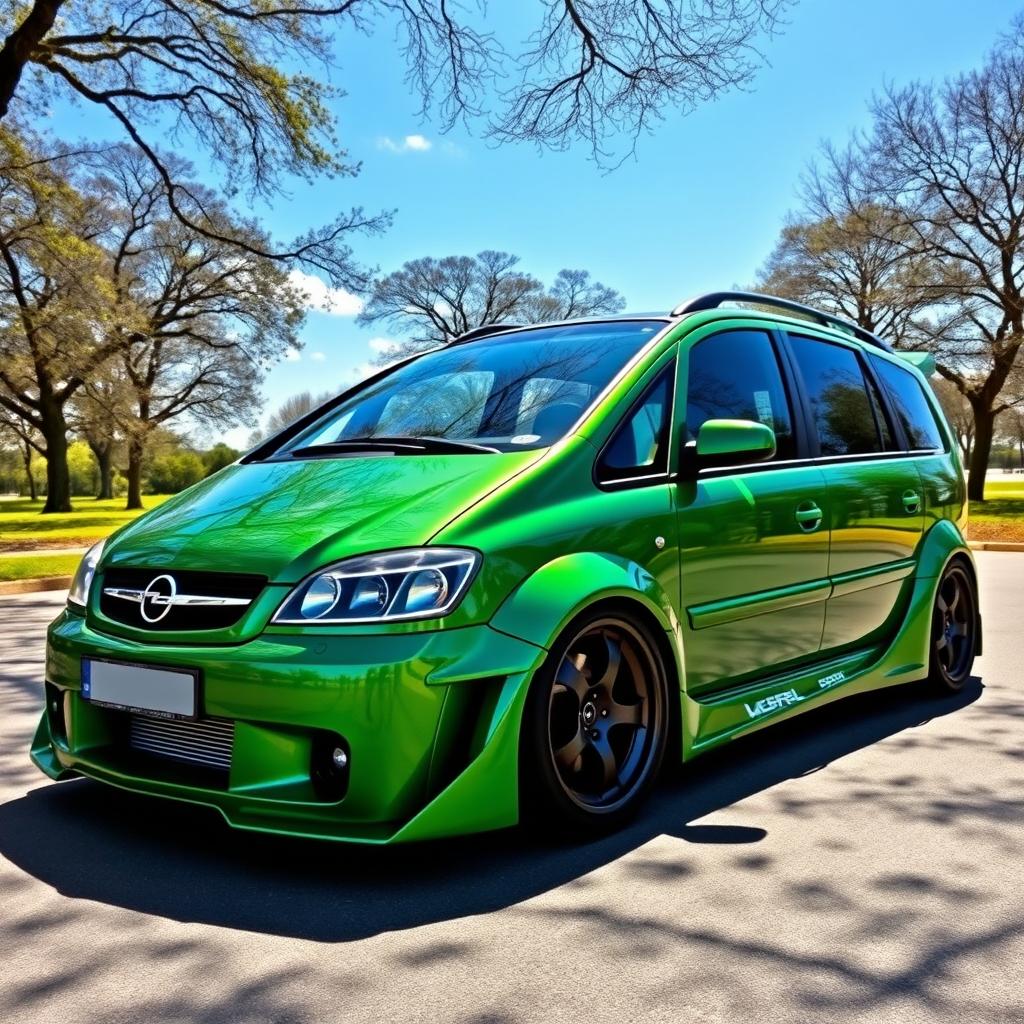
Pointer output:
956, 597
626, 714
942, 641
571, 678
609, 766
613, 650
568, 754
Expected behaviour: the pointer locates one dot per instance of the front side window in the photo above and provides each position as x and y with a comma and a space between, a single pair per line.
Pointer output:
509, 392
639, 446
735, 376
911, 406
838, 397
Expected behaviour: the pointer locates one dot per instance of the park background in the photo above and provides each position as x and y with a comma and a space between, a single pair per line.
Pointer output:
701, 198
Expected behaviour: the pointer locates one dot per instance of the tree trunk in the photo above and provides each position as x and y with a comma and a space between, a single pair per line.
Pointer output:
104, 455
135, 453
105, 462
20, 44
984, 429
58, 478
27, 458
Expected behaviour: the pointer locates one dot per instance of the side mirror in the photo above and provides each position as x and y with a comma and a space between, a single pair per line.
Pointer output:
733, 442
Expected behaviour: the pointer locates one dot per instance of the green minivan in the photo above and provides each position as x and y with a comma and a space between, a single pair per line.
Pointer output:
510, 577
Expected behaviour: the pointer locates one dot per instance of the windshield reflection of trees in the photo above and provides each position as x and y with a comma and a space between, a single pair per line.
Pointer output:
485, 393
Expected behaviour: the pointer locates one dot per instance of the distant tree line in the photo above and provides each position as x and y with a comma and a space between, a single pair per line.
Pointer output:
172, 463
915, 230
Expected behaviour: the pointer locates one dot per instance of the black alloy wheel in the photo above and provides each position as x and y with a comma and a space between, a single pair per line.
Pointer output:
594, 731
954, 629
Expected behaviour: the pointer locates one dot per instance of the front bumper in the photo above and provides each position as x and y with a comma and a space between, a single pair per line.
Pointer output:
430, 720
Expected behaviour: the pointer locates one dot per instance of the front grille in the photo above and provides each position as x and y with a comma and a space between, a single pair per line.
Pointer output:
207, 742
180, 617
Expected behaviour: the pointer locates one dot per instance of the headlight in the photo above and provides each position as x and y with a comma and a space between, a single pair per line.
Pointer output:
79, 592
417, 583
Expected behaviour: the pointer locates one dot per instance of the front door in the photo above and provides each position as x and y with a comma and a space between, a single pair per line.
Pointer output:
753, 540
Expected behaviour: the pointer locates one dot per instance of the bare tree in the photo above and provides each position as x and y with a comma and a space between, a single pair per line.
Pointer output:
958, 412
207, 316
292, 408
852, 256
436, 300
99, 410
214, 71
14, 430
1011, 427
951, 158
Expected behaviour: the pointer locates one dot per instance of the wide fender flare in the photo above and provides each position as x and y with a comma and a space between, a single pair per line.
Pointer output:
940, 544
544, 603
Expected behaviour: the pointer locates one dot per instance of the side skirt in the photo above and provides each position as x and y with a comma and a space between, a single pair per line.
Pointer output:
717, 718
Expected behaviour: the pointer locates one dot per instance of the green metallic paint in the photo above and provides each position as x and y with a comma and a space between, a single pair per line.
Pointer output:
734, 567
722, 441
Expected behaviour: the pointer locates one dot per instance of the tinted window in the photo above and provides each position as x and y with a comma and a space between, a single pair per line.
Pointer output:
735, 376
519, 390
639, 446
881, 418
838, 396
910, 404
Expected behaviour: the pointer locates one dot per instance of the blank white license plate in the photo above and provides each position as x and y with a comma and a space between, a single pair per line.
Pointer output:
164, 692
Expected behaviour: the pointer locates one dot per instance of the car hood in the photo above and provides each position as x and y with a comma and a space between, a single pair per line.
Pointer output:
285, 519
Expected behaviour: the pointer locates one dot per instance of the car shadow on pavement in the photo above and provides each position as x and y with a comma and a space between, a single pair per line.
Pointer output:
184, 863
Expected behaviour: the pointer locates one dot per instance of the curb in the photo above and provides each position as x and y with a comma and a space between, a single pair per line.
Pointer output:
34, 586
995, 545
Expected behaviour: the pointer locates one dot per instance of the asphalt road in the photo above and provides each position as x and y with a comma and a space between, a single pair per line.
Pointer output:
864, 863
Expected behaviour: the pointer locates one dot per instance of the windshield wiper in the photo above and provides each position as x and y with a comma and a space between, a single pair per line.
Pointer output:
396, 445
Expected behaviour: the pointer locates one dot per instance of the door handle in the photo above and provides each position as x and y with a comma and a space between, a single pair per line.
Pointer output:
911, 502
808, 516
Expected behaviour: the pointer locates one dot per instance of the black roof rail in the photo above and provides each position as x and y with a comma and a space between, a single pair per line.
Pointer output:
712, 300
475, 333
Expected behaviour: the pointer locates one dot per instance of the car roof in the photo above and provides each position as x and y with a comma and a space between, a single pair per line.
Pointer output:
709, 302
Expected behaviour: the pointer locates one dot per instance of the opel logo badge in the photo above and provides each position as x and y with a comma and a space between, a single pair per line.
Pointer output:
157, 598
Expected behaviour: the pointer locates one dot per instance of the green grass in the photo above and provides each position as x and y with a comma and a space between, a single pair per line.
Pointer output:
22, 526
1001, 515
37, 567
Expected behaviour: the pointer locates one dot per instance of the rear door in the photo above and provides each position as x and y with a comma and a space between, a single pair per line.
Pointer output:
875, 494
753, 539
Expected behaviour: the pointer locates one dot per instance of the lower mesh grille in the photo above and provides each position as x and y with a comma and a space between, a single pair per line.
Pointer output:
207, 742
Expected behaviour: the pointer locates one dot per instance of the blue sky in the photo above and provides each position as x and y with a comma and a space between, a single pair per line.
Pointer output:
698, 209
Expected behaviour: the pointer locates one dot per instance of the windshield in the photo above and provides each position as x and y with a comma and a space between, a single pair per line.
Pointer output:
511, 392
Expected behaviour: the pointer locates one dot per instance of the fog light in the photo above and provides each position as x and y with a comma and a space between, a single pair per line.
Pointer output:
329, 762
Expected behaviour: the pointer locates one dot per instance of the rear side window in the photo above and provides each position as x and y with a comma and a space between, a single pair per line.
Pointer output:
838, 395
639, 446
735, 376
911, 406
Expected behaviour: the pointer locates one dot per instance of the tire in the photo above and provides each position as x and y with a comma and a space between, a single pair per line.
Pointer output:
594, 724
954, 635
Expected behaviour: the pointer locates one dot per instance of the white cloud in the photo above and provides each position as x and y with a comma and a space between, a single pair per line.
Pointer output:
362, 371
322, 298
382, 345
292, 355
317, 357
410, 144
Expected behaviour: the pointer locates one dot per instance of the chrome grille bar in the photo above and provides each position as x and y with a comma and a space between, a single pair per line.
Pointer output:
207, 742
